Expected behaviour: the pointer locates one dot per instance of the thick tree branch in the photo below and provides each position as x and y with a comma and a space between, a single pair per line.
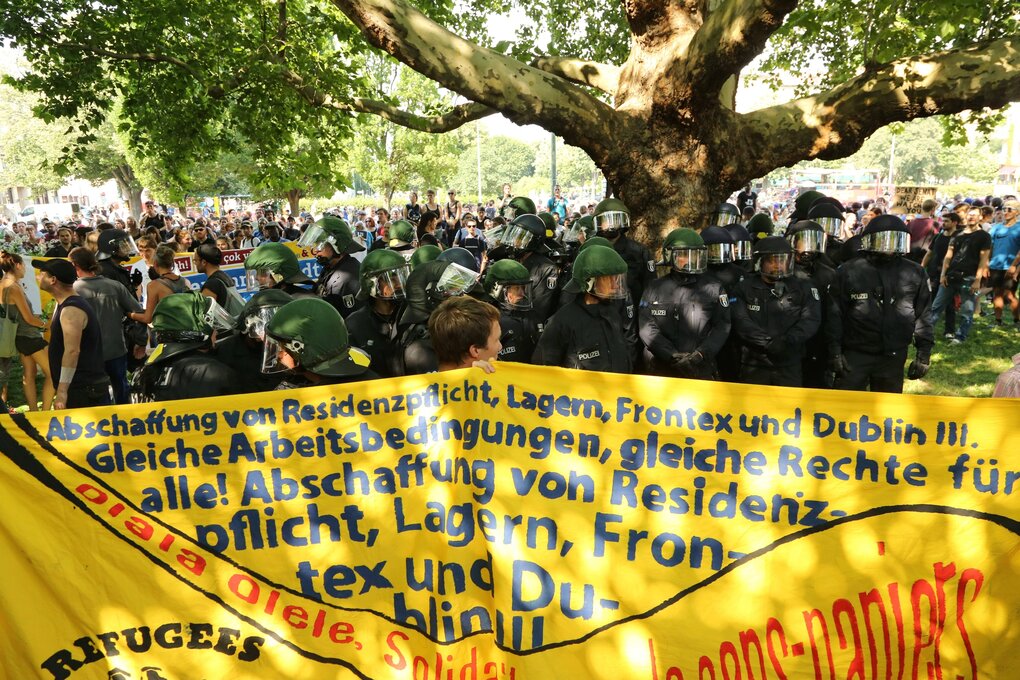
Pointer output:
451, 120
152, 57
835, 123
732, 35
523, 93
604, 77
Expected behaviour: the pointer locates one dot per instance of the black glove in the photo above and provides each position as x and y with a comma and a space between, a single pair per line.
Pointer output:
682, 360
838, 365
918, 368
136, 278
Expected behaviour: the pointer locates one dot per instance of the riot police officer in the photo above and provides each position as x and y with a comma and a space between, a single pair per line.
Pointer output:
828, 214
508, 285
245, 351
587, 333
314, 346
518, 205
724, 215
743, 249
183, 365
117, 246
723, 267
612, 220
808, 241
760, 226
881, 301
684, 317
525, 237
373, 328
775, 315
427, 286
333, 244
421, 255
403, 238
274, 265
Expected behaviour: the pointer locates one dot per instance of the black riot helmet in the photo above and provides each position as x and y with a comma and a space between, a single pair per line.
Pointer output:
773, 258
719, 244
828, 213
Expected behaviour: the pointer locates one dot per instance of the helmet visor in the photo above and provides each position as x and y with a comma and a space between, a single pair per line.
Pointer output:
808, 241
610, 221
573, 234
608, 286
218, 318
314, 237
493, 235
690, 260
262, 277
516, 236
515, 296
255, 323
125, 247
724, 219
389, 284
456, 280
887, 242
775, 265
833, 226
271, 355
742, 250
719, 253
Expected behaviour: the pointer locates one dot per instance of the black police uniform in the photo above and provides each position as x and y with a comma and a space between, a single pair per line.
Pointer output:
815, 366
640, 265
588, 337
774, 323
115, 272
377, 335
244, 357
878, 305
683, 313
545, 285
518, 336
728, 359
181, 371
338, 284
628, 321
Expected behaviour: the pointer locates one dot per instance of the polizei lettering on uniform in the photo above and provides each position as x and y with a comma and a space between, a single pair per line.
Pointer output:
584, 356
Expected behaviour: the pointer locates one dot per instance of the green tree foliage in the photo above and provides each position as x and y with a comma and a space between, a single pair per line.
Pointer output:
29, 147
503, 160
573, 167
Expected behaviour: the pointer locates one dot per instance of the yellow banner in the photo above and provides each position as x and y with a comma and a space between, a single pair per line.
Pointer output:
534, 523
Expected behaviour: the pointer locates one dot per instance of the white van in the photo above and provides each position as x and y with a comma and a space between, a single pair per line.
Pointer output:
36, 212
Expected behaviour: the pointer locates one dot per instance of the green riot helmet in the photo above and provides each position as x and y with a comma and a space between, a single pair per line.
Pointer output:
315, 336
272, 264
599, 271
773, 258
189, 317
596, 241
684, 250
742, 251
332, 231
802, 204
461, 256
402, 236
611, 217
550, 224
252, 323
423, 254
525, 233
580, 230
725, 215
509, 283
383, 275
518, 205
829, 214
760, 226
719, 244
806, 238
886, 235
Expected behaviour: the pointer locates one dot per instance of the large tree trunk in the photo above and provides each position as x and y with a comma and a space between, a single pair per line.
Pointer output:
671, 145
294, 200
130, 189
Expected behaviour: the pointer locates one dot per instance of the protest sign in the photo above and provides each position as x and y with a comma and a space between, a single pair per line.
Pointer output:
532, 523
